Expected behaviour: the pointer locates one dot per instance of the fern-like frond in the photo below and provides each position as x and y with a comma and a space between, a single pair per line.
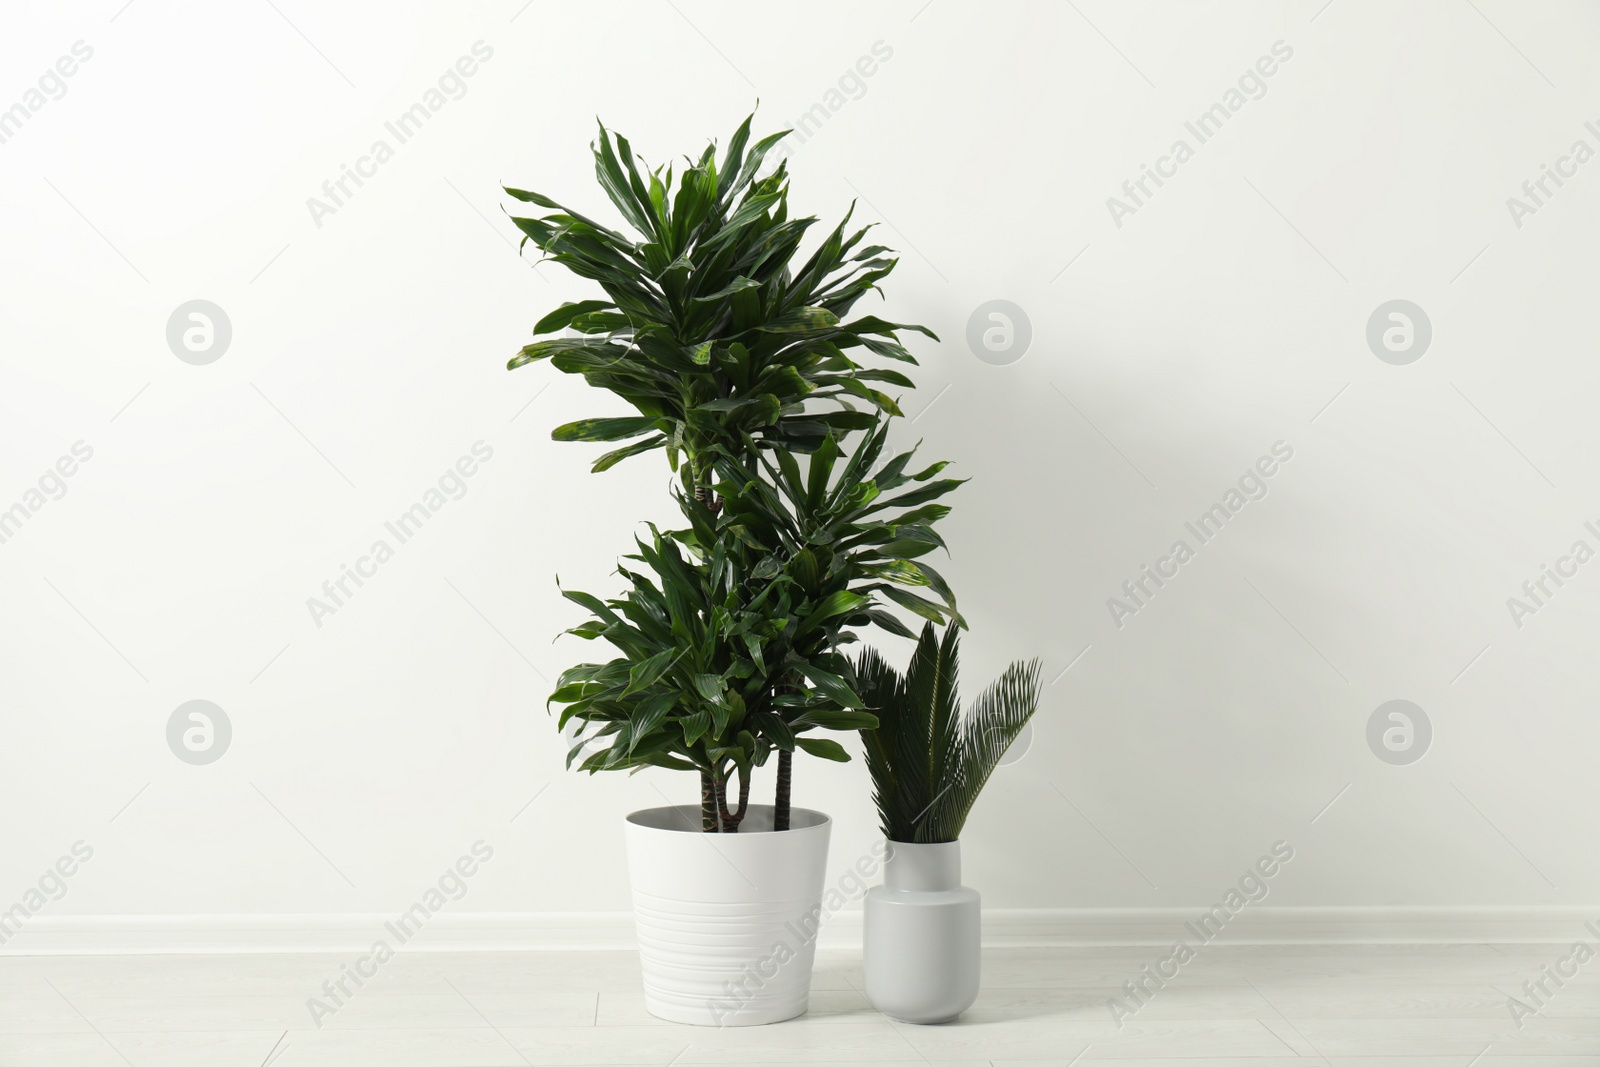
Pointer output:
928, 761
991, 725
881, 686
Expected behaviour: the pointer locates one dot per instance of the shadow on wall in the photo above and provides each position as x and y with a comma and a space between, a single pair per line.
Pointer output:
1228, 602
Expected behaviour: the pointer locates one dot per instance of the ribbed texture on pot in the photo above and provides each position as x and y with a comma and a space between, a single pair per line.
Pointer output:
726, 922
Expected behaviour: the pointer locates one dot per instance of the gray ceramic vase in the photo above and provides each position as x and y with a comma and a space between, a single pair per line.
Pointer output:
923, 931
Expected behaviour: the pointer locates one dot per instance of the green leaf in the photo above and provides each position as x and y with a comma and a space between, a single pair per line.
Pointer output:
831, 685
696, 724
888, 622
822, 461
916, 604
906, 548
618, 429
802, 321
753, 646
806, 570
873, 324
898, 571
838, 603
849, 420
738, 285
859, 388
821, 746
562, 317
574, 691
931, 491
775, 729
733, 161
645, 674
635, 208
612, 458
709, 686
578, 347
893, 377
650, 714
592, 603
838, 720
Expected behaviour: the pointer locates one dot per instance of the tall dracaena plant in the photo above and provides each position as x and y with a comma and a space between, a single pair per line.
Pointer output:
738, 362
708, 330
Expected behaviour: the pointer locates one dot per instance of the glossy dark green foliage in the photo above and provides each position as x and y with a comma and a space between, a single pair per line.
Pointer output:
928, 761
743, 364
710, 328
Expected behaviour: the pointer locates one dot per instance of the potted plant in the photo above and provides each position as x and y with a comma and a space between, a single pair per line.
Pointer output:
744, 370
928, 763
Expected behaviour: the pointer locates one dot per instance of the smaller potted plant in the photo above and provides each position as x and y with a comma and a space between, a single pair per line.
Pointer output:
928, 764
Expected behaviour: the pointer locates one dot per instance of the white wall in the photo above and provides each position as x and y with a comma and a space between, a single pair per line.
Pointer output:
1169, 353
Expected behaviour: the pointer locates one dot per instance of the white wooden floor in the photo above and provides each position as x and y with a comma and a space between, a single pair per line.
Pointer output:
1417, 1006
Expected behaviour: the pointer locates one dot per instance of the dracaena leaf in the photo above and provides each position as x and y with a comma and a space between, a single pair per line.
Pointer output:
562, 317
618, 429
823, 747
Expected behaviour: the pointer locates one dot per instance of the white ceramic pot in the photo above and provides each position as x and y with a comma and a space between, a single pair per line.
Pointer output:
727, 923
923, 930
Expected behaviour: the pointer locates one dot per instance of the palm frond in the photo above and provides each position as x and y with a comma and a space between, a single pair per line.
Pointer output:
881, 685
928, 761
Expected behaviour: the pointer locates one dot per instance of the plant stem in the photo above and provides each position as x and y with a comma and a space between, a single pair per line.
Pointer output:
708, 804
704, 495
719, 785
731, 820
780, 803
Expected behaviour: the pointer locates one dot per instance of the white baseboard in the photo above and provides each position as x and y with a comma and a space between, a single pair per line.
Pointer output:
1089, 927
47, 935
